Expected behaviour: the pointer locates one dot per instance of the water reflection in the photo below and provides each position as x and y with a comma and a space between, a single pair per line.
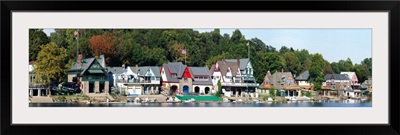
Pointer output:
289, 104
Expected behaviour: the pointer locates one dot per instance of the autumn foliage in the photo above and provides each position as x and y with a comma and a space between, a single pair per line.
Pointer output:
103, 44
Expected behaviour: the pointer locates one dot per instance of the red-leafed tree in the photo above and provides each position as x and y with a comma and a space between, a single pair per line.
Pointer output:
103, 44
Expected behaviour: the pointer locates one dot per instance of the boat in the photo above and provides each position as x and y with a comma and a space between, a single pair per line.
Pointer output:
270, 99
225, 100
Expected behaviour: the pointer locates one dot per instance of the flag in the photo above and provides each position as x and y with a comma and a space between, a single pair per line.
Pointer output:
248, 43
76, 36
76, 33
184, 51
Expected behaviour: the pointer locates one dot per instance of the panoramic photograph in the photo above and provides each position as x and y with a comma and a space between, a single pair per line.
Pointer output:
200, 67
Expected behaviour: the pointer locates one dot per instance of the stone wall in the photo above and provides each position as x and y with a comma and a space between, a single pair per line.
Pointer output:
70, 78
182, 83
106, 87
96, 86
85, 87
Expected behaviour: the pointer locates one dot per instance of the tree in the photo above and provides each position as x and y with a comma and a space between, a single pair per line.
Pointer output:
272, 92
361, 72
267, 61
103, 44
316, 71
222, 56
327, 68
259, 45
335, 67
50, 66
308, 94
175, 50
237, 36
219, 92
292, 63
37, 38
368, 64
284, 49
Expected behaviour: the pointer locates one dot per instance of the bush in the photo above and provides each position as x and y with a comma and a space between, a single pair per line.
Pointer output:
272, 92
282, 93
264, 96
219, 92
308, 94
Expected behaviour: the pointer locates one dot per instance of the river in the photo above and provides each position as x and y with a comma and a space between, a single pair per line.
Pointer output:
209, 104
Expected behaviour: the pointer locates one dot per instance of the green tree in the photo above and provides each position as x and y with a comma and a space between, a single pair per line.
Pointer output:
50, 66
37, 38
327, 68
316, 71
368, 65
284, 50
272, 93
267, 61
292, 63
219, 92
335, 67
308, 94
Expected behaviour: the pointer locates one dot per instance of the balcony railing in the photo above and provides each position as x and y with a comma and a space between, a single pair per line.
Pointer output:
240, 84
139, 82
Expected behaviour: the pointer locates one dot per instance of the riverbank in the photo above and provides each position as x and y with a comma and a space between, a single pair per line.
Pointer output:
163, 99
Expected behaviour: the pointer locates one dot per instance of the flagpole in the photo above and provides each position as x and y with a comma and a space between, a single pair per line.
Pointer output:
77, 44
248, 46
185, 56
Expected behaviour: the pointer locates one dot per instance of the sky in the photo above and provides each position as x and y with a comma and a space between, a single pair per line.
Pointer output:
333, 44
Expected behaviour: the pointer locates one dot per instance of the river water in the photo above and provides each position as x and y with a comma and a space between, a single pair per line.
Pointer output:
210, 104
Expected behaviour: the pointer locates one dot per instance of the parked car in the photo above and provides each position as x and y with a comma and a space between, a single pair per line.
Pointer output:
70, 87
56, 92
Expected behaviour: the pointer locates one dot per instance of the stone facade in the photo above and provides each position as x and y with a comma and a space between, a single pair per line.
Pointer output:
70, 78
188, 82
106, 87
85, 87
96, 86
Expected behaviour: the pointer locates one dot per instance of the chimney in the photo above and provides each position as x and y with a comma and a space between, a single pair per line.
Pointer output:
79, 60
137, 68
238, 61
103, 61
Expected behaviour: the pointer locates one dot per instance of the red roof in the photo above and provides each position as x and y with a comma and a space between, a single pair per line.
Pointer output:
31, 62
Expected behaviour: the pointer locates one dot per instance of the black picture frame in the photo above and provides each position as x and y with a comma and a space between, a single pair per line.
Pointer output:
7, 7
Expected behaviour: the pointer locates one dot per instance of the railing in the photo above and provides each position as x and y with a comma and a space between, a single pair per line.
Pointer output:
240, 84
94, 78
31, 85
140, 82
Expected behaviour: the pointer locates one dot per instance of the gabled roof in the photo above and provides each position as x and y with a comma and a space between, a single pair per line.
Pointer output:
243, 62
143, 70
156, 70
199, 71
116, 70
337, 77
85, 65
276, 79
223, 66
350, 75
175, 67
303, 76
266, 78
212, 69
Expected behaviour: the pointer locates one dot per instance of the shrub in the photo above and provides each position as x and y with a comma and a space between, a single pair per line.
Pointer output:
272, 92
264, 96
308, 94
